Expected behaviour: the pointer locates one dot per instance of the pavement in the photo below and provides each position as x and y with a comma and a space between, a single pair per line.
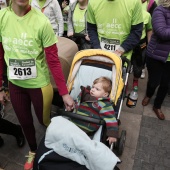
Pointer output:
147, 144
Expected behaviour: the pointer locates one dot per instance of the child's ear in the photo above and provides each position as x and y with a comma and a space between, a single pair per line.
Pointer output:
106, 94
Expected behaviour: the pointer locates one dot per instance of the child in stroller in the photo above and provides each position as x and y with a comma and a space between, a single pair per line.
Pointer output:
94, 102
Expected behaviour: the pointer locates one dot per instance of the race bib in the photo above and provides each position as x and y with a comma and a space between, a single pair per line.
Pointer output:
109, 44
22, 69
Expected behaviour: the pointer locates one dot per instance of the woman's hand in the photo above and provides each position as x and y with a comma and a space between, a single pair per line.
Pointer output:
111, 140
3, 97
68, 102
87, 38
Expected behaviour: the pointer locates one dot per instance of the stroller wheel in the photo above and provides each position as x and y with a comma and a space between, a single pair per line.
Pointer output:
121, 143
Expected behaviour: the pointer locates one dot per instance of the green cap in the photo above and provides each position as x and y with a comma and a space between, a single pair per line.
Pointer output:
136, 88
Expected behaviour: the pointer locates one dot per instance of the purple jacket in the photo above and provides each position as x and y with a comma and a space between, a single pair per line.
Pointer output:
159, 45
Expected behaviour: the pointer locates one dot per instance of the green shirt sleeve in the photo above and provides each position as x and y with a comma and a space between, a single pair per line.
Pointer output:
48, 36
90, 15
137, 16
149, 24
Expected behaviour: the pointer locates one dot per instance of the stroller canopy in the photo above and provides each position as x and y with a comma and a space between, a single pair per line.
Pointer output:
98, 56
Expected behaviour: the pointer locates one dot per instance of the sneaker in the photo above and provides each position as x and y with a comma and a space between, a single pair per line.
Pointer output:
143, 74
29, 163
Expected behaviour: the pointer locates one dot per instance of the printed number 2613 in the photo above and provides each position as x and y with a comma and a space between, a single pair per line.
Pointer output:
21, 72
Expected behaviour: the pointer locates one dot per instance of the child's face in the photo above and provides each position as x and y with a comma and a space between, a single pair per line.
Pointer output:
98, 91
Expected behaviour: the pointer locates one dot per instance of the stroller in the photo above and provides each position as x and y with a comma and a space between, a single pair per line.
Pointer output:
87, 66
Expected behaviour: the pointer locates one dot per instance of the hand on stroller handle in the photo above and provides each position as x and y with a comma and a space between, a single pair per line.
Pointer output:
68, 102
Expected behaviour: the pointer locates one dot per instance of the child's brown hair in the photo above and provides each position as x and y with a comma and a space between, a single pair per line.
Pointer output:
106, 83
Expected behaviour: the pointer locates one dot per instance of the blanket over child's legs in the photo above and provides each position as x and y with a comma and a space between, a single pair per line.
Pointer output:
69, 141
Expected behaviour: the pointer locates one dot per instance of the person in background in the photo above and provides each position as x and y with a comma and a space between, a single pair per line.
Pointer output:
149, 5
112, 30
64, 5
138, 56
3, 4
9, 128
158, 58
52, 10
77, 22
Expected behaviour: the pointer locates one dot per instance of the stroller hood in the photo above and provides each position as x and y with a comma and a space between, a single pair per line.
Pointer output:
101, 56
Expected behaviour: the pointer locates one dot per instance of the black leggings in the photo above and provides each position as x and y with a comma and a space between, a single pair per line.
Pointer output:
158, 75
8, 128
138, 61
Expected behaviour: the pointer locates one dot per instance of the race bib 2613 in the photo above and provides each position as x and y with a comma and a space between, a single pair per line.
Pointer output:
22, 69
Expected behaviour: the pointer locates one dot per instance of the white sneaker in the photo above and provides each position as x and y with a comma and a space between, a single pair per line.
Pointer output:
143, 74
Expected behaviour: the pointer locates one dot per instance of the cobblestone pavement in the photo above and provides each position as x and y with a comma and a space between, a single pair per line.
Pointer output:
153, 149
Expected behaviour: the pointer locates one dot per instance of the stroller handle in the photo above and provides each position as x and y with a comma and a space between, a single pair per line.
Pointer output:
80, 117
127, 61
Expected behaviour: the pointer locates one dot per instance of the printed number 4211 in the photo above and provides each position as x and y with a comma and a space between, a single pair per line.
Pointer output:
110, 47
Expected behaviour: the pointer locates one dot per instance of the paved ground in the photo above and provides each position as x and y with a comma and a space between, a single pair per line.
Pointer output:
147, 144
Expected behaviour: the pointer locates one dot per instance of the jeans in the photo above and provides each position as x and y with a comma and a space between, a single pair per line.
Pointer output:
158, 75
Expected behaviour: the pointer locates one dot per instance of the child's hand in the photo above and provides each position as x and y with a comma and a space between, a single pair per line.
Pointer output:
111, 140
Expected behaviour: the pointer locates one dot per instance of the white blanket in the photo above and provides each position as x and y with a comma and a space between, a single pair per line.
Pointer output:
69, 141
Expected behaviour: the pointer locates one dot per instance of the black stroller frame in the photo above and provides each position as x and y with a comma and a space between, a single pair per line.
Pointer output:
117, 147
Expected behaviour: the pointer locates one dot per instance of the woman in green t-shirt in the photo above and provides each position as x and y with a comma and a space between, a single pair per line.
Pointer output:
28, 44
77, 22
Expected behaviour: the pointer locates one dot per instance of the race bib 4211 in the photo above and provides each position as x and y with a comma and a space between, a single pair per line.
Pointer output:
22, 69
109, 44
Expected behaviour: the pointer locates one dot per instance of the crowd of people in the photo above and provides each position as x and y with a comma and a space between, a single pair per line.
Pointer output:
136, 29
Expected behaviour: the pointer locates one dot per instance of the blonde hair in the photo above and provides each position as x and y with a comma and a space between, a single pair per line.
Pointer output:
164, 3
106, 83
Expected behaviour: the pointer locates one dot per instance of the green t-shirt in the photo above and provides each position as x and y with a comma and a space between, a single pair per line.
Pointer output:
145, 5
41, 3
24, 39
146, 22
65, 17
114, 20
79, 19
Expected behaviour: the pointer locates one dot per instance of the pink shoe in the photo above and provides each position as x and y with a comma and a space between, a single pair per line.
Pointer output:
29, 163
